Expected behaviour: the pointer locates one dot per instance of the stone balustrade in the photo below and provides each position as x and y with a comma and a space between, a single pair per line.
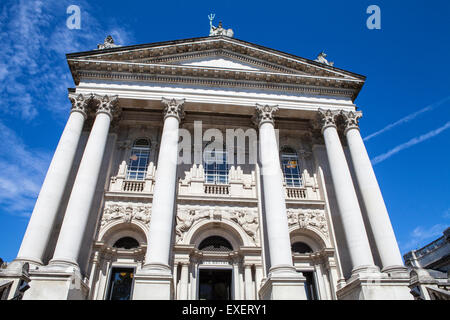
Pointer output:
240, 184
120, 183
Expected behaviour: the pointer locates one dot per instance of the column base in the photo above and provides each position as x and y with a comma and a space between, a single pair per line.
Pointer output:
368, 284
153, 282
19, 261
283, 283
396, 271
57, 282
15, 276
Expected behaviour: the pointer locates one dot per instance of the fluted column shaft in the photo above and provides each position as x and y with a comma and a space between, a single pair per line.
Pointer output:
161, 224
45, 210
347, 201
184, 277
248, 283
79, 205
274, 197
377, 213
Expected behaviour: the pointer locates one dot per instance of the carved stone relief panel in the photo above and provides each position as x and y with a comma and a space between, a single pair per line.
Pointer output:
244, 218
126, 212
304, 218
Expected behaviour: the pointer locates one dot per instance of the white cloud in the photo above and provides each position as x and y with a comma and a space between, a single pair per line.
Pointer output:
409, 144
22, 171
33, 69
407, 118
421, 236
34, 78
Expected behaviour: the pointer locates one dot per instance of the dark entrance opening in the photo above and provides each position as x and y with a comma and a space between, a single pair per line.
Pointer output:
214, 284
310, 286
120, 284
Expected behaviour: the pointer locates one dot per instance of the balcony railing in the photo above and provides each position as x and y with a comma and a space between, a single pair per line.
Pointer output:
217, 189
133, 186
240, 185
295, 193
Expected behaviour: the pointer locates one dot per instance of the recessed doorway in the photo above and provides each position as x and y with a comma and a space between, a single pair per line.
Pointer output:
214, 284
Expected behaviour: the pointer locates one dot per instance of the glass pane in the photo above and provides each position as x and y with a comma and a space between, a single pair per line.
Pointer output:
216, 167
138, 162
121, 283
291, 170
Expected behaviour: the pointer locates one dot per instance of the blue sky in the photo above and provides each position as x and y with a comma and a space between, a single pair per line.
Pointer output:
405, 101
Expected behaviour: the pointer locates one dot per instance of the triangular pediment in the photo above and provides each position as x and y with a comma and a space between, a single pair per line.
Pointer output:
221, 62
216, 57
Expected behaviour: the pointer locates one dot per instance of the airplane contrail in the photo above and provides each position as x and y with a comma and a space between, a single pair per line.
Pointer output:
406, 118
409, 144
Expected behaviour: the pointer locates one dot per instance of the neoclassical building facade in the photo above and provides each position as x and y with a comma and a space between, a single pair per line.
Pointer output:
142, 202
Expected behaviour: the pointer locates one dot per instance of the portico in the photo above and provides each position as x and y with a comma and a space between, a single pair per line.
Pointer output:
138, 223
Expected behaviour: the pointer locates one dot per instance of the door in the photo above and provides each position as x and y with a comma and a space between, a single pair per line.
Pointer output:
214, 284
120, 284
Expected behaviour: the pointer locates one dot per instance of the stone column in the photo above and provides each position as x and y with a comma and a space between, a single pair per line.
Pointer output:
183, 295
237, 288
45, 210
79, 205
156, 270
248, 282
380, 223
352, 221
278, 240
161, 224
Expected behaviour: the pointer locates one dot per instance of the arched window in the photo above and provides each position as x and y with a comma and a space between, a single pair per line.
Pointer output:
215, 244
216, 166
290, 165
126, 243
138, 163
301, 247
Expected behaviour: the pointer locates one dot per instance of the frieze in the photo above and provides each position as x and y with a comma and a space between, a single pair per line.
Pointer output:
246, 218
304, 218
127, 212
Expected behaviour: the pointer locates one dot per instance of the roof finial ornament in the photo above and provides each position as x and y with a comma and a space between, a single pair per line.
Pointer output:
108, 43
218, 31
321, 58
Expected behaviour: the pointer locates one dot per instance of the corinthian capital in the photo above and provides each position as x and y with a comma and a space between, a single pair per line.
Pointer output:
327, 118
107, 104
80, 103
351, 119
264, 113
173, 108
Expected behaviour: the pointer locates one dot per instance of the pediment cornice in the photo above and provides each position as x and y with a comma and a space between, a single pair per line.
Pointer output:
163, 62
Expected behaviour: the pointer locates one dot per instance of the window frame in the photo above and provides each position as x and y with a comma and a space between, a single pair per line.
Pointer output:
216, 173
138, 171
291, 178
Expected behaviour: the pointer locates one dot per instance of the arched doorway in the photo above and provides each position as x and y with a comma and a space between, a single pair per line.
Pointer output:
315, 261
116, 258
215, 283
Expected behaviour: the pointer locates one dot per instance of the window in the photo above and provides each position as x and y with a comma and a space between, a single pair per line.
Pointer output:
137, 165
291, 171
215, 244
300, 247
216, 167
126, 243
120, 284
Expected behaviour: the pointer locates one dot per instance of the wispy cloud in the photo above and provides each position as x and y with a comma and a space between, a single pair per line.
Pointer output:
420, 236
34, 78
34, 40
23, 170
409, 144
407, 118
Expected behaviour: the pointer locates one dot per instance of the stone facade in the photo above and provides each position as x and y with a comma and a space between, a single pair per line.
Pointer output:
90, 200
